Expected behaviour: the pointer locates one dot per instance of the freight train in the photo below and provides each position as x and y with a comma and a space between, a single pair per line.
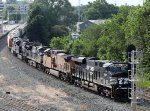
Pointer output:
107, 77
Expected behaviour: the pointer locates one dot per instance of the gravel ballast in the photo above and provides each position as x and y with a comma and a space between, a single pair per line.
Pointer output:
44, 92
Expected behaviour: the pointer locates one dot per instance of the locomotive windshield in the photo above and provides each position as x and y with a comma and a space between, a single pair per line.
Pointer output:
113, 69
117, 69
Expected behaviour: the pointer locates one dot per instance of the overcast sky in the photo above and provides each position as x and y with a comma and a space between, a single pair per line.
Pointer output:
118, 2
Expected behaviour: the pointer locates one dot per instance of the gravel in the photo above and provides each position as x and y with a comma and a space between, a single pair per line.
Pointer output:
45, 92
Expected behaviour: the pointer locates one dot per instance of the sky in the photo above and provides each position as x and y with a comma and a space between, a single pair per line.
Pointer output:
118, 2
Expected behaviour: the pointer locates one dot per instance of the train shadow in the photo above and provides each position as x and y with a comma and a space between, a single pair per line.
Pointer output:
3, 41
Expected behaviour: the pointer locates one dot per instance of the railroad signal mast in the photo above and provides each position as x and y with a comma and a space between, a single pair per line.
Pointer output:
135, 59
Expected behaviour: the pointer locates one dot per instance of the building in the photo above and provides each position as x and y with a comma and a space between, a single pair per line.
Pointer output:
1, 5
100, 21
20, 8
81, 26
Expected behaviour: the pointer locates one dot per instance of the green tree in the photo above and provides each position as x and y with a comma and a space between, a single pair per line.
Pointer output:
99, 9
56, 43
77, 47
64, 43
62, 11
113, 44
86, 44
59, 30
37, 28
46, 16
137, 31
105, 41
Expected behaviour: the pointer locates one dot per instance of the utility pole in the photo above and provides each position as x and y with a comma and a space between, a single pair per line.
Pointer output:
143, 2
8, 16
79, 12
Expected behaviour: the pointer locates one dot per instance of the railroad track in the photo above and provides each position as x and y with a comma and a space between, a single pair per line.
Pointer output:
11, 104
146, 95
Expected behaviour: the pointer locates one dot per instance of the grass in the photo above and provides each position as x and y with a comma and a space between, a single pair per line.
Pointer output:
143, 84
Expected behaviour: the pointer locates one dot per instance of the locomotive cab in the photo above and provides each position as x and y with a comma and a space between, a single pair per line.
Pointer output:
119, 81
16, 48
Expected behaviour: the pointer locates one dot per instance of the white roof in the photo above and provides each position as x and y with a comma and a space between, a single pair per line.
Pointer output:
39, 47
100, 21
81, 58
107, 64
47, 50
61, 54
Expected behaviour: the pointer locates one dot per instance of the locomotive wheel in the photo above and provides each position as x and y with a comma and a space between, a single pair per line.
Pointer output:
100, 90
14, 54
41, 67
26, 60
38, 66
71, 80
64, 76
22, 58
60, 75
77, 82
107, 93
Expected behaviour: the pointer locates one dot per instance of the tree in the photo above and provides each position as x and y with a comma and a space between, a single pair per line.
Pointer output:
37, 28
64, 43
45, 16
137, 31
77, 47
112, 43
105, 41
86, 44
59, 30
61, 10
56, 43
99, 9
